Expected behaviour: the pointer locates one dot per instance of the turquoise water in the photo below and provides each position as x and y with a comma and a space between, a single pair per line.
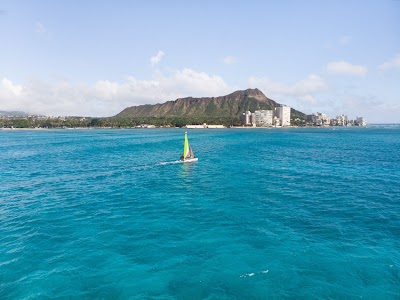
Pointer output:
264, 214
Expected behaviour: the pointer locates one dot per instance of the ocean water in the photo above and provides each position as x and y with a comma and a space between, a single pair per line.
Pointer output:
307, 213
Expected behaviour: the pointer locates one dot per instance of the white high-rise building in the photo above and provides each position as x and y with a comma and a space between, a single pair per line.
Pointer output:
341, 120
253, 119
360, 121
264, 118
318, 119
246, 118
283, 113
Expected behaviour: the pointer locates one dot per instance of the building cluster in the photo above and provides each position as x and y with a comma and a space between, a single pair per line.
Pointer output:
279, 116
205, 125
320, 119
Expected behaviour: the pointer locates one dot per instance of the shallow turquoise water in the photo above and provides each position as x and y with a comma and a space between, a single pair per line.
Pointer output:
297, 213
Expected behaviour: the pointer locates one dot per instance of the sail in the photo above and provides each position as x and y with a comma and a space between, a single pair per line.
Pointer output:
186, 147
191, 153
188, 155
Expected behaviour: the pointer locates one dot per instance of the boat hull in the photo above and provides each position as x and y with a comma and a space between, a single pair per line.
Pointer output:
189, 160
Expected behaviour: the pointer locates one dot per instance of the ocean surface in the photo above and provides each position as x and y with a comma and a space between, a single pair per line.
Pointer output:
299, 213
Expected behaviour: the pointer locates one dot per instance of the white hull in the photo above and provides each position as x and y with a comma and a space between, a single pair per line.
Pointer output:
188, 160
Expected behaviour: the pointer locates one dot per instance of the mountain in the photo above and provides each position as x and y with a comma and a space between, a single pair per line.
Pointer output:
232, 105
13, 113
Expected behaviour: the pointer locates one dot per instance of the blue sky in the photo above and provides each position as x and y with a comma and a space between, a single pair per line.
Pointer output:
95, 58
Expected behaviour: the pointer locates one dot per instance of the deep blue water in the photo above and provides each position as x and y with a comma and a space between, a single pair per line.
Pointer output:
306, 213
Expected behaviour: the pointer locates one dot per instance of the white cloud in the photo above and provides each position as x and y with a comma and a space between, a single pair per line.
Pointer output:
303, 90
394, 63
9, 89
229, 60
192, 83
372, 108
40, 28
104, 97
343, 67
157, 58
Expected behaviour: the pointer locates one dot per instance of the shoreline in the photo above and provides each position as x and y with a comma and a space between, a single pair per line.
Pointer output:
235, 127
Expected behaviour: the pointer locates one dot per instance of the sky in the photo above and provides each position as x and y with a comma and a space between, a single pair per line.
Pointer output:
95, 58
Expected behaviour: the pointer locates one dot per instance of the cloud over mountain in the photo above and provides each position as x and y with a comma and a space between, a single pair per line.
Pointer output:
105, 97
304, 90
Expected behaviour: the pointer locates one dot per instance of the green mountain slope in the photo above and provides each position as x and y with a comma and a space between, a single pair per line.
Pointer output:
232, 105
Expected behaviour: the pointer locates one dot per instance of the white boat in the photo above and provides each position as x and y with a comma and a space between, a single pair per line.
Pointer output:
188, 155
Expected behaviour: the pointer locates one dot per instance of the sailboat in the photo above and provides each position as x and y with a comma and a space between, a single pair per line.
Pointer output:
188, 155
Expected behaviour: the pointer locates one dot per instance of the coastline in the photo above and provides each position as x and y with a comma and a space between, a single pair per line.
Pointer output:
233, 127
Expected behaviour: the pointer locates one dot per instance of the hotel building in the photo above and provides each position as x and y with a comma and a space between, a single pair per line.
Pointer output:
283, 113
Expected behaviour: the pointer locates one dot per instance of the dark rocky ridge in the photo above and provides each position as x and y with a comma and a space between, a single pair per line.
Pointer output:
232, 105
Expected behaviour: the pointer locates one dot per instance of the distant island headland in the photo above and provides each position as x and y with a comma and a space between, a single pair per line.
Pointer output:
231, 110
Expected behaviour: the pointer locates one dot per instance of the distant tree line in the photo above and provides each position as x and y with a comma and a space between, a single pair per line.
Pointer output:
115, 122
122, 122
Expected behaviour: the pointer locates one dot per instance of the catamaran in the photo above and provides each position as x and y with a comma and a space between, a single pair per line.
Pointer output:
188, 155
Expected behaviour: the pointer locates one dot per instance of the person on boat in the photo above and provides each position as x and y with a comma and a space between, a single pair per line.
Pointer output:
182, 158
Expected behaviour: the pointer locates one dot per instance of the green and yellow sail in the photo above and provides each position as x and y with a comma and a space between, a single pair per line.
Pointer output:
186, 150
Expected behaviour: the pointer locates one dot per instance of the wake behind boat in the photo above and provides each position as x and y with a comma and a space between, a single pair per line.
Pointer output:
188, 154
